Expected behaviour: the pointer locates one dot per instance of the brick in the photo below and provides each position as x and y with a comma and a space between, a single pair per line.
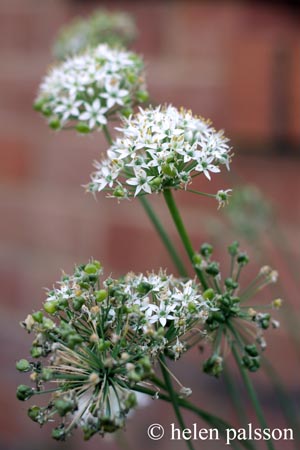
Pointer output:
15, 164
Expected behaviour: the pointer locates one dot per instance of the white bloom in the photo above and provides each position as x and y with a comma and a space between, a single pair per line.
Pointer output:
86, 89
162, 148
94, 114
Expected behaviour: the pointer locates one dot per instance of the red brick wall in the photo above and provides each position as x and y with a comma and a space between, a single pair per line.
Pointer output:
216, 58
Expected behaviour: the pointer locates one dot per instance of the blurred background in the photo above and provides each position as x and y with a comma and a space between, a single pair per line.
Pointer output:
237, 63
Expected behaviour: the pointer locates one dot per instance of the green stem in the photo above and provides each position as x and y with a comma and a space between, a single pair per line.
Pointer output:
173, 397
164, 236
107, 134
157, 224
183, 233
249, 386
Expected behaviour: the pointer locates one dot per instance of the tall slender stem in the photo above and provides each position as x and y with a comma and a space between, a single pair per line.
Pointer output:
249, 386
164, 237
173, 397
183, 233
157, 224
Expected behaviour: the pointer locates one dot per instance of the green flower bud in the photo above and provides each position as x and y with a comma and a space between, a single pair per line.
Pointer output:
101, 295
156, 182
23, 365
38, 105
213, 269
242, 259
92, 268
38, 316
251, 350
119, 192
231, 284
36, 352
77, 303
233, 248
206, 250
103, 345
51, 306
24, 392
197, 259
168, 169
82, 128
47, 374
208, 294
55, 124
126, 112
48, 323
59, 434
213, 366
142, 96
131, 401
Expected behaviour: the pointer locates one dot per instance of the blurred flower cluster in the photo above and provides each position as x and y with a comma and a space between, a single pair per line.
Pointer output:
113, 28
160, 148
86, 90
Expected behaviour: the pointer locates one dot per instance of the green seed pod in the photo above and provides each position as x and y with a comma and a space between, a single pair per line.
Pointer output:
64, 406
91, 268
131, 401
209, 294
36, 352
51, 306
231, 284
251, 349
24, 392
77, 303
59, 434
34, 413
23, 365
101, 295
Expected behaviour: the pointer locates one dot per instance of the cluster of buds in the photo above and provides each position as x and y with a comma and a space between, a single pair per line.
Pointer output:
113, 28
100, 340
86, 90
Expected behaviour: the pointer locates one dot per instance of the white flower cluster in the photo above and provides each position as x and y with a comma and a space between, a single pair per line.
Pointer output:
144, 303
113, 28
84, 90
160, 148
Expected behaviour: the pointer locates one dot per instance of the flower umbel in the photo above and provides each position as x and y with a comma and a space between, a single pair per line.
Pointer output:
86, 90
160, 148
233, 321
113, 28
100, 341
